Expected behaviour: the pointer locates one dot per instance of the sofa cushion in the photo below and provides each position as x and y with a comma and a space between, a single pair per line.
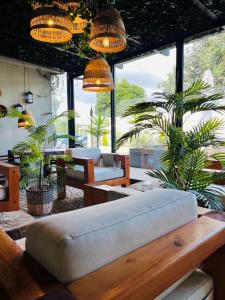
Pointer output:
91, 153
100, 173
3, 193
197, 286
108, 160
73, 244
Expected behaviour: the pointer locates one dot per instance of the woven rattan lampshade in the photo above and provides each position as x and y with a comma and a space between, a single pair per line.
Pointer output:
73, 4
79, 25
108, 34
26, 121
50, 25
97, 76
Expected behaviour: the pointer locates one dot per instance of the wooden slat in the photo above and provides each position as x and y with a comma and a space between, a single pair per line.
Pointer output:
21, 278
148, 271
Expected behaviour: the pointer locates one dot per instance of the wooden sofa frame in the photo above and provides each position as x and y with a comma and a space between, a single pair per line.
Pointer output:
11, 173
88, 165
142, 274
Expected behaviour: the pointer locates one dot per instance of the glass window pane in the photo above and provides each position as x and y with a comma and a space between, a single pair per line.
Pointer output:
136, 81
204, 59
92, 118
59, 105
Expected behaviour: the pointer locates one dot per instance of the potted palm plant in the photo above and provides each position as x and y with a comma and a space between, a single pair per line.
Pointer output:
36, 168
185, 162
98, 127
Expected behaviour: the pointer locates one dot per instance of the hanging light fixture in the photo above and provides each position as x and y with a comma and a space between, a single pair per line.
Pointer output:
79, 25
97, 76
49, 23
108, 34
27, 120
73, 4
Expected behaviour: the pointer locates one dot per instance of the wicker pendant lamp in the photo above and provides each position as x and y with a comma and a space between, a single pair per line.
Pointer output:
79, 25
97, 76
49, 23
73, 4
108, 34
26, 121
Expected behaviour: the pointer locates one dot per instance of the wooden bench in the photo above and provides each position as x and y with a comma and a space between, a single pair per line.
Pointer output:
142, 274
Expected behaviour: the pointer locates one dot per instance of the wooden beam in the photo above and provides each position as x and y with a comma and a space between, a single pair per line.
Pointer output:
147, 272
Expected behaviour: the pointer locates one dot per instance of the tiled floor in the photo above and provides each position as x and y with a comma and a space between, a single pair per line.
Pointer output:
139, 174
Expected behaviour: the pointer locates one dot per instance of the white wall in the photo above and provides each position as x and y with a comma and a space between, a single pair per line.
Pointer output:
10, 95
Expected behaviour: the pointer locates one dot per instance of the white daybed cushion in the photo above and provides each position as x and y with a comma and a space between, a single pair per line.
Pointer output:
100, 173
73, 244
91, 153
3, 192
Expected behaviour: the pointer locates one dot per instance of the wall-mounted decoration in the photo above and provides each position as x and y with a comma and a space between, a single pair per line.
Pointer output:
3, 111
27, 120
18, 107
28, 97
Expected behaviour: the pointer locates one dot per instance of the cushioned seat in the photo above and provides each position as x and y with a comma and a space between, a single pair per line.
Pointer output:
3, 193
198, 286
73, 244
100, 173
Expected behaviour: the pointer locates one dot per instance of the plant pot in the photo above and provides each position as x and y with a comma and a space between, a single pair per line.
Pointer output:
40, 202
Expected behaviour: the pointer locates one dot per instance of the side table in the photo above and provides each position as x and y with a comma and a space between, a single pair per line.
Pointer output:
97, 194
16, 224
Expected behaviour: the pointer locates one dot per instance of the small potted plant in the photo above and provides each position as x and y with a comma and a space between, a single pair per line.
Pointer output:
36, 168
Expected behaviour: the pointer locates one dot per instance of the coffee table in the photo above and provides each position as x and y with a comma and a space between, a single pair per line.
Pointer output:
15, 223
97, 194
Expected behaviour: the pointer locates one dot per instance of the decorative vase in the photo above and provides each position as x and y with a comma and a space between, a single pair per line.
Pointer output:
40, 201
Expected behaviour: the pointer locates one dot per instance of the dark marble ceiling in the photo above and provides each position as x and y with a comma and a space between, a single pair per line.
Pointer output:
150, 24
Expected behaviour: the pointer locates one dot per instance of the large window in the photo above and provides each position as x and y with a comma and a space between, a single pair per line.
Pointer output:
136, 81
92, 118
59, 105
204, 59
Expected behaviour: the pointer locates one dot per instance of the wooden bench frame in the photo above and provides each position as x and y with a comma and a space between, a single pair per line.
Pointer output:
11, 173
88, 165
142, 274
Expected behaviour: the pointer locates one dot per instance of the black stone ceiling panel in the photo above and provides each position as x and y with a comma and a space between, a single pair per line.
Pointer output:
150, 24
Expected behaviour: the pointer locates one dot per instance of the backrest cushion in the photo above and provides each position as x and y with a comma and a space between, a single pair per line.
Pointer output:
91, 153
108, 160
73, 244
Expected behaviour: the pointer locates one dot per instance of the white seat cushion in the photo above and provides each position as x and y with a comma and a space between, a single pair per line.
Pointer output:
73, 244
3, 193
21, 243
100, 173
198, 286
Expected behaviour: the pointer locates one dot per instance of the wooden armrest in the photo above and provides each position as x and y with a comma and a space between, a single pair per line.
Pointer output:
22, 278
148, 271
125, 164
87, 163
83, 161
121, 157
6, 168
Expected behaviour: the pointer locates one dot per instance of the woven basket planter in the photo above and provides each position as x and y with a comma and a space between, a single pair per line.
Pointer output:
39, 202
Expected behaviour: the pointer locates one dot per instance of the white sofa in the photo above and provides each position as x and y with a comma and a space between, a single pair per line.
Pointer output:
74, 244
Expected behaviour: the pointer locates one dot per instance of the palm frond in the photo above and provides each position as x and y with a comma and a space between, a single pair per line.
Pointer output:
134, 132
195, 89
144, 107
